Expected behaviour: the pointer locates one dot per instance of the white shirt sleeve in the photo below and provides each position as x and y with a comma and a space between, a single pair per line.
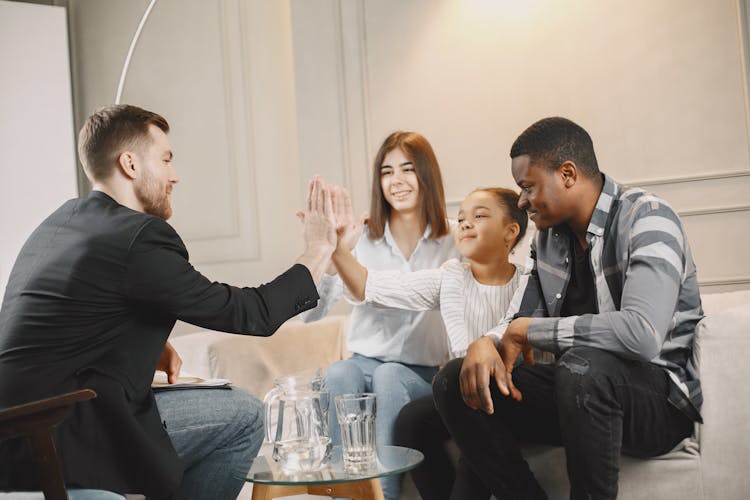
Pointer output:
330, 290
415, 291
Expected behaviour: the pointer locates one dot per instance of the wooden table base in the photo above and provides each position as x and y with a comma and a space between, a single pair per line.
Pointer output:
368, 489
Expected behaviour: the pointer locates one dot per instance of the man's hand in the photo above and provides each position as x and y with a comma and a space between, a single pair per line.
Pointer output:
482, 361
170, 363
319, 230
318, 219
515, 342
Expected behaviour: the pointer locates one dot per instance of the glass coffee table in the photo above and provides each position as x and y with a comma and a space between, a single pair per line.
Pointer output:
271, 481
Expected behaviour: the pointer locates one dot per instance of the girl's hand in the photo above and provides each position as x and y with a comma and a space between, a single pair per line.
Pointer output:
348, 228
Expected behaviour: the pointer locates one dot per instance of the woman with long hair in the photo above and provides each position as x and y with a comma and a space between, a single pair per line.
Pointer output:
395, 353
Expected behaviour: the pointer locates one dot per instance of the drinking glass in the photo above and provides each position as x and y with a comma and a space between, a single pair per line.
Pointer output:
356, 416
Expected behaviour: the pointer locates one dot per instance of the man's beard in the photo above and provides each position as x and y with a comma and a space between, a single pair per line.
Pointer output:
152, 196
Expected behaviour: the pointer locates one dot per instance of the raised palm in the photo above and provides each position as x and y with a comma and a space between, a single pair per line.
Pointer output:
318, 220
348, 228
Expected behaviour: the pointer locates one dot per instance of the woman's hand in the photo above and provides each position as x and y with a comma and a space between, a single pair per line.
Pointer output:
348, 228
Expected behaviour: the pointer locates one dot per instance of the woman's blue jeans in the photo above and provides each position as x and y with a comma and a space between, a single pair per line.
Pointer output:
394, 384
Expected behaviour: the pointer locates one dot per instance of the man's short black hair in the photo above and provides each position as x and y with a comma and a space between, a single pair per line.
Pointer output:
552, 141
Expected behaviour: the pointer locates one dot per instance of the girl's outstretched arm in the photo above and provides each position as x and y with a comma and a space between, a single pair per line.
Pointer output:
351, 272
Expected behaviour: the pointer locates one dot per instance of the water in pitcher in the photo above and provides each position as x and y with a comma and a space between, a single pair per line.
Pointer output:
302, 454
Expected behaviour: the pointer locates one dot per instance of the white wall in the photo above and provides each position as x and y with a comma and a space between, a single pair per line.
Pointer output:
263, 94
37, 171
660, 86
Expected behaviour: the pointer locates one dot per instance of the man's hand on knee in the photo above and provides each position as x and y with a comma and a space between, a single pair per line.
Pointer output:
481, 363
515, 342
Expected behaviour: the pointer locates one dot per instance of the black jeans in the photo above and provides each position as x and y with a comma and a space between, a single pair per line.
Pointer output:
419, 426
592, 402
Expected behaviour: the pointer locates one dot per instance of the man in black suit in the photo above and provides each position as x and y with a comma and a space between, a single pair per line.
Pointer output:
91, 301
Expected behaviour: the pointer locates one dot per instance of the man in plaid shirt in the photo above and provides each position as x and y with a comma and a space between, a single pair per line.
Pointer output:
610, 289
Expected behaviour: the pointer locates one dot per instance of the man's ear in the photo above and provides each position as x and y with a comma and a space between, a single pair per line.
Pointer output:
569, 173
126, 164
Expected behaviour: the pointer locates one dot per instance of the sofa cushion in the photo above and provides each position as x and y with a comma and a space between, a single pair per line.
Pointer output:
722, 351
716, 302
252, 362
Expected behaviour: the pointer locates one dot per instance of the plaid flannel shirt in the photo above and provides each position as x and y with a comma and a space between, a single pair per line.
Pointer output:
646, 289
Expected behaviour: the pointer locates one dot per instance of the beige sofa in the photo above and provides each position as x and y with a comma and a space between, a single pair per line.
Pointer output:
714, 463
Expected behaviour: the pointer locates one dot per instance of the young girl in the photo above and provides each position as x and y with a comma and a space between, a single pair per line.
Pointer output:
395, 352
472, 297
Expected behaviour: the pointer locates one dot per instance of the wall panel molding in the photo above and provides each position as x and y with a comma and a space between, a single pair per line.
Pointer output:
740, 280
229, 106
346, 165
658, 181
743, 24
357, 120
714, 210
242, 242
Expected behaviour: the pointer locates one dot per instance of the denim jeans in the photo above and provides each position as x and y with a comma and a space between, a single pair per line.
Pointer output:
394, 384
592, 402
215, 433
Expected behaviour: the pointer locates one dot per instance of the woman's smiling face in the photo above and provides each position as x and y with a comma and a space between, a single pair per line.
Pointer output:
398, 180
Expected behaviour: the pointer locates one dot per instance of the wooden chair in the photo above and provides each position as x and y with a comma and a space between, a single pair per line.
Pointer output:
35, 421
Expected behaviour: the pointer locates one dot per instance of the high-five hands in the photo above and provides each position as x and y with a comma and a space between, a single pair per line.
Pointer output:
319, 229
484, 362
319, 222
348, 228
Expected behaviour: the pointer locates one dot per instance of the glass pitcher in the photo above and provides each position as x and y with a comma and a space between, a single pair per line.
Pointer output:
300, 430
280, 418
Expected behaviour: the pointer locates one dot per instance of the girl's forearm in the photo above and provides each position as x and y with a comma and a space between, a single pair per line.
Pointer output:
351, 272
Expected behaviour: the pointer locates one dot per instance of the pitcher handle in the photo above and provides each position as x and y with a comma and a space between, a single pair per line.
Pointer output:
268, 402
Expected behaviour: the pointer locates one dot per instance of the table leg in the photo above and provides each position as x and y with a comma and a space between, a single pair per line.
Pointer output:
359, 490
267, 492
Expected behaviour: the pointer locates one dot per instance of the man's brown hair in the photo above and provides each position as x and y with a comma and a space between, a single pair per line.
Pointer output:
110, 131
431, 194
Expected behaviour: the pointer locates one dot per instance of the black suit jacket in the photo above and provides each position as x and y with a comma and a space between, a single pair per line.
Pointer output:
90, 302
